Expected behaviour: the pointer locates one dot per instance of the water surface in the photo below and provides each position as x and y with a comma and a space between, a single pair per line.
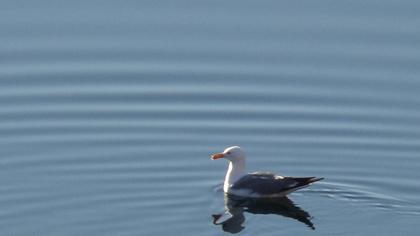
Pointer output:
109, 112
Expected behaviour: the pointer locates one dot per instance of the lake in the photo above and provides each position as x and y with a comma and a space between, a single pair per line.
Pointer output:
109, 112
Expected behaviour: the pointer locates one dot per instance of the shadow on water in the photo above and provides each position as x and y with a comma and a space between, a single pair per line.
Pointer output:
233, 217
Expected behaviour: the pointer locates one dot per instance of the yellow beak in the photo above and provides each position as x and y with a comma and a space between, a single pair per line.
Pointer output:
217, 156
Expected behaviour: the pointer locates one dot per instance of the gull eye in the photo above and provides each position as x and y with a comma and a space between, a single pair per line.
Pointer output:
228, 153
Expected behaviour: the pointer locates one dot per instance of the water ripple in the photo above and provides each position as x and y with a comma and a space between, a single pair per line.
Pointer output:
108, 114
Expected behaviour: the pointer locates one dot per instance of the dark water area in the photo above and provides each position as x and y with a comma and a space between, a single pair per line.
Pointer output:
110, 110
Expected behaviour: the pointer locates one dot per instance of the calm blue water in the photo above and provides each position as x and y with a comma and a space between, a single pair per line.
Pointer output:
109, 111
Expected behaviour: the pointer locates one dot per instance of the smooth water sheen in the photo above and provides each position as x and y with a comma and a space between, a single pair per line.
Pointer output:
110, 110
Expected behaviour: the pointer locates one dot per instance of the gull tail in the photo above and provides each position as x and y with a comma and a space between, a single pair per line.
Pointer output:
314, 179
305, 181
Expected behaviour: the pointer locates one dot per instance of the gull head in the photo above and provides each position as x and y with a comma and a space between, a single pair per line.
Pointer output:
231, 153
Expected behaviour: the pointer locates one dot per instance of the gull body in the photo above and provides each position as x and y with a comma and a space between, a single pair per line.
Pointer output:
258, 184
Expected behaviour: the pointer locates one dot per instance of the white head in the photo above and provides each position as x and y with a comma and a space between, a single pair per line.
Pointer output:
231, 153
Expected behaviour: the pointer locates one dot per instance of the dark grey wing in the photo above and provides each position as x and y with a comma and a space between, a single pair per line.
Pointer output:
267, 183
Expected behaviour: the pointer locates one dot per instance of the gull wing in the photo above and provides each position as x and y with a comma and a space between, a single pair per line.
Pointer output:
268, 183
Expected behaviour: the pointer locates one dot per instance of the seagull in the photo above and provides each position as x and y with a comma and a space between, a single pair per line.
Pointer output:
256, 184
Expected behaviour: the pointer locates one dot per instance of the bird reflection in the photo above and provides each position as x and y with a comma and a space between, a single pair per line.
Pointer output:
233, 217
